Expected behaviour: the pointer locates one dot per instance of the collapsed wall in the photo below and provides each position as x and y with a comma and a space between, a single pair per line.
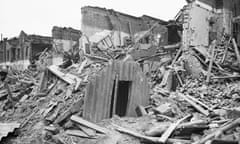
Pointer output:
65, 38
204, 21
96, 20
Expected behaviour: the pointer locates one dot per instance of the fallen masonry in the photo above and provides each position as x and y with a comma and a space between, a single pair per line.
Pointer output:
172, 82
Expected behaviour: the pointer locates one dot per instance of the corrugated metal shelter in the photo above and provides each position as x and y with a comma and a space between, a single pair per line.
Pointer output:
117, 89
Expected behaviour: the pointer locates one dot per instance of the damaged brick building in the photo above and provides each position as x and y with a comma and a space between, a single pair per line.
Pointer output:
150, 80
206, 20
100, 22
65, 38
25, 48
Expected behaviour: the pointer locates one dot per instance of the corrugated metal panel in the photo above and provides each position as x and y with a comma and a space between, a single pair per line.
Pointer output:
6, 128
139, 91
99, 91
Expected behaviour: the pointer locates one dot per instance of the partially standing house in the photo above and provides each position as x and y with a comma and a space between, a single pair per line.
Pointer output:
206, 20
64, 39
20, 50
116, 90
114, 28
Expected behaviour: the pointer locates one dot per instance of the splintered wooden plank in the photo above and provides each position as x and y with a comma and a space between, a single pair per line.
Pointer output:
69, 78
77, 133
170, 130
90, 132
43, 81
196, 106
147, 138
219, 131
236, 49
81, 121
212, 48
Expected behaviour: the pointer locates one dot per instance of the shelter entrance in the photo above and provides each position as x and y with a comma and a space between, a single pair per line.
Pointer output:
116, 90
120, 97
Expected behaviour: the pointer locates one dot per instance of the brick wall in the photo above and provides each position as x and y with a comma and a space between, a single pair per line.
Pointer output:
95, 19
66, 33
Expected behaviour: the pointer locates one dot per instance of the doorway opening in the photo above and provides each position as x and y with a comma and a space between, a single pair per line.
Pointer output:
123, 93
120, 98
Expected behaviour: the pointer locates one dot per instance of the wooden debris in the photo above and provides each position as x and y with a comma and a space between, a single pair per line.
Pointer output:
236, 50
177, 55
52, 129
90, 132
212, 48
172, 47
43, 81
89, 124
199, 102
72, 110
227, 77
28, 118
192, 103
69, 78
218, 141
160, 128
171, 128
147, 138
140, 110
219, 131
10, 95
77, 133
146, 32
96, 58
83, 64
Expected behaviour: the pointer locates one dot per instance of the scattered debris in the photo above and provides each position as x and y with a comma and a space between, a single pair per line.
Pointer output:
184, 90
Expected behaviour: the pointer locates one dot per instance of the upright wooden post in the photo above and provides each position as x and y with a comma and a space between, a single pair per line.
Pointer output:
212, 48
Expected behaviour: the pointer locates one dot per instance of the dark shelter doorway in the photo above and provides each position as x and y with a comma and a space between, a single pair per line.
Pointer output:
123, 91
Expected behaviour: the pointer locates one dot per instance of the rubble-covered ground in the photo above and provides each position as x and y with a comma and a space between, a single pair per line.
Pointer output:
195, 98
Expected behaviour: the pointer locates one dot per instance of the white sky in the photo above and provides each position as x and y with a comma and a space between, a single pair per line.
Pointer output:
39, 16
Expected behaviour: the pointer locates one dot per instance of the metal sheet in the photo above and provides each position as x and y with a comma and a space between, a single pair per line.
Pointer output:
99, 92
6, 128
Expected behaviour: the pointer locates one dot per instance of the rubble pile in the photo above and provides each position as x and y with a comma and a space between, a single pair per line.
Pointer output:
48, 103
194, 94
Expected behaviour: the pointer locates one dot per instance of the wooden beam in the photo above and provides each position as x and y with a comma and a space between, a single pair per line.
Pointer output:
69, 78
77, 133
172, 46
147, 138
96, 57
212, 48
170, 129
219, 131
177, 55
196, 106
146, 32
81, 121
236, 50
199, 102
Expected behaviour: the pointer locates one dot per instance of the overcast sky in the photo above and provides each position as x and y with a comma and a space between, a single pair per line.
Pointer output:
39, 16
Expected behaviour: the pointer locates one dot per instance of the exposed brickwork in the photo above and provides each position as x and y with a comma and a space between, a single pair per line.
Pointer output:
95, 19
23, 47
66, 33
65, 39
